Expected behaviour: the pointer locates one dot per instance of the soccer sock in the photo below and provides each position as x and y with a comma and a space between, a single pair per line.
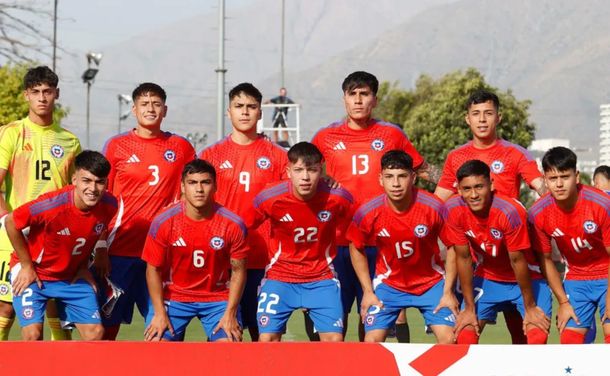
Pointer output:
607, 339
57, 333
536, 336
403, 335
5, 327
571, 337
467, 337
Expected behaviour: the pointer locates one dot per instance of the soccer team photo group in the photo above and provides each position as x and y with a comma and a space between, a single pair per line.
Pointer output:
251, 230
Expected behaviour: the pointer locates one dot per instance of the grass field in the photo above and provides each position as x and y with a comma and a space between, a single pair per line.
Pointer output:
493, 334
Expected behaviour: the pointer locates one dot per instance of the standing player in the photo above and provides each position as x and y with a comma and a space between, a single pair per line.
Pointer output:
245, 163
188, 250
601, 178
406, 223
495, 226
576, 216
305, 215
36, 156
509, 163
65, 226
145, 178
352, 149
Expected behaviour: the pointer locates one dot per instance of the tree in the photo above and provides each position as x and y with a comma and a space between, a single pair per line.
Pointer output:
14, 106
20, 36
432, 114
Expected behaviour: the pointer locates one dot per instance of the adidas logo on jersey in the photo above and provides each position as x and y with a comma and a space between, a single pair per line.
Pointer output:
338, 323
383, 233
286, 218
226, 165
133, 159
557, 233
340, 146
65, 232
28, 147
471, 234
179, 243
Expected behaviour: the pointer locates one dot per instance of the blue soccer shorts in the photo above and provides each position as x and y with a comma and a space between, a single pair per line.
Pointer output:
585, 297
395, 300
180, 315
249, 299
78, 302
350, 285
492, 297
129, 274
277, 300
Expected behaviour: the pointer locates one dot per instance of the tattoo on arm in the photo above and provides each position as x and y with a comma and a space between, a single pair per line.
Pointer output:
238, 264
429, 172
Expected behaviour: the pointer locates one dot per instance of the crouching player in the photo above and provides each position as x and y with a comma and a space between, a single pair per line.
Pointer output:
65, 226
577, 217
406, 223
305, 214
189, 250
496, 227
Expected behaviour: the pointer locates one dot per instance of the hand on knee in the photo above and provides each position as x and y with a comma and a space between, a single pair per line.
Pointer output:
572, 337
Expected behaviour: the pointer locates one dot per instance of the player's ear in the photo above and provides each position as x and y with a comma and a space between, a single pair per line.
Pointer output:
182, 187
56, 92
381, 178
577, 177
164, 110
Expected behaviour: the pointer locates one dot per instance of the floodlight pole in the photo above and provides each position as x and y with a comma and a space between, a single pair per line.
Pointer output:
55, 34
221, 70
282, 48
88, 110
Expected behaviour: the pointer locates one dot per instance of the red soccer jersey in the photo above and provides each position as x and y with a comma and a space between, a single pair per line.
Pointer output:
242, 172
145, 178
195, 255
507, 162
61, 236
302, 232
408, 257
504, 230
582, 234
353, 157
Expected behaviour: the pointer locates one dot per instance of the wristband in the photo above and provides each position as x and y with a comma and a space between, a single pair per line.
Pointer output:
567, 301
101, 244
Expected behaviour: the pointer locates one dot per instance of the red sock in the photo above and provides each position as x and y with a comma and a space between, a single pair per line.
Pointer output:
467, 337
571, 337
536, 336
607, 339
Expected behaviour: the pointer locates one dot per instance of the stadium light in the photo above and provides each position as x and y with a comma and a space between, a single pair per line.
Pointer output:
88, 78
123, 99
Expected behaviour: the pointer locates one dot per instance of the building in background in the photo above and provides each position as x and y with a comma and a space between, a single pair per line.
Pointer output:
604, 134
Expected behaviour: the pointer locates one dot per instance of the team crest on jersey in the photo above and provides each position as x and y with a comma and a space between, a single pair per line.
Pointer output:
217, 243
324, 216
377, 145
28, 313
497, 167
98, 228
264, 320
170, 155
590, 227
369, 320
263, 163
497, 234
4, 290
421, 231
57, 151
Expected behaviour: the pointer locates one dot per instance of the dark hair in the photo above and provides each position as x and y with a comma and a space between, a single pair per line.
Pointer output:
40, 75
397, 159
305, 151
148, 88
482, 96
94, 162
198, 166
473, 167
559, 158
360, 79
248, 89
604, 170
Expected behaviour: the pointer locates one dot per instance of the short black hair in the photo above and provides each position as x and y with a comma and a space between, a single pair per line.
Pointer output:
305, 151
481, 96
559, 158
473, 167
94, 162
198, 166
40, 75
248, 89
148, 88
604, 170
360, 79
397, 159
